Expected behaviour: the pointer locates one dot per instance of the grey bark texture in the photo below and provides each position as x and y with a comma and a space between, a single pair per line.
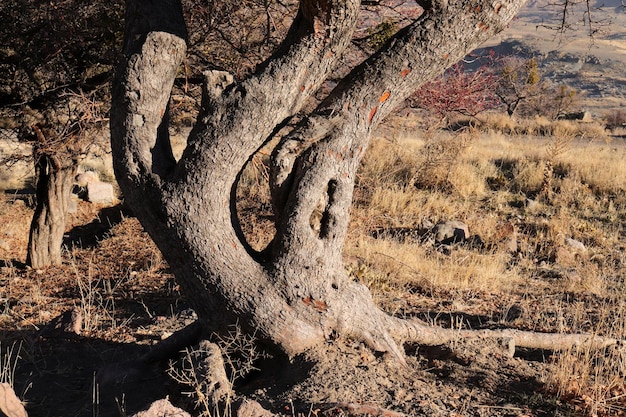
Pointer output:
55, 178
295, 294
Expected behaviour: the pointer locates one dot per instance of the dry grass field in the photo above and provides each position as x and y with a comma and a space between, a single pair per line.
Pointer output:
545, 204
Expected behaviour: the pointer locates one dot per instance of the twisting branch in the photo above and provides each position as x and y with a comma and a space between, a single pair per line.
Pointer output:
336, 135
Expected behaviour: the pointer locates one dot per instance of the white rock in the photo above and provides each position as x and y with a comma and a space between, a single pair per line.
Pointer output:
10, 405
87, 177
100, 193
575, 245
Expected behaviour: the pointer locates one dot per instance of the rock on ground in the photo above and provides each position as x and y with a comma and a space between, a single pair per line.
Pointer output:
162, 408
100, 192
10, 405
450, 232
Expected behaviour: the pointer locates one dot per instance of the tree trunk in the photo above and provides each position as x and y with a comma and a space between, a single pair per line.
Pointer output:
295, 293
54, 186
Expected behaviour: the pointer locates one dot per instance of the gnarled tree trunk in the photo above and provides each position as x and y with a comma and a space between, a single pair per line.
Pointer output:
55, 178
295, 293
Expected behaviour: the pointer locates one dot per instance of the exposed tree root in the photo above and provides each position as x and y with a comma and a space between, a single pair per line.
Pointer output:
424, 334
173, 345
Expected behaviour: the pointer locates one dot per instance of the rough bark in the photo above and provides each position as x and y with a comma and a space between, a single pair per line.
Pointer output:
295, 294
55, 178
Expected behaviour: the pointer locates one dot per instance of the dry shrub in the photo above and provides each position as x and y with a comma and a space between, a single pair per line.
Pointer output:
542, 126
600, 166
615, 119
497, 122
440, 156
467, 179
527, 175
391, 162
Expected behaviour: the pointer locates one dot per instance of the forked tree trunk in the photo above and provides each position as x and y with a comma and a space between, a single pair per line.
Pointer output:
55, 179
294, 294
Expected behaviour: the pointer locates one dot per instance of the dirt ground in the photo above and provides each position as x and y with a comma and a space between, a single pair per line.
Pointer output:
130, 303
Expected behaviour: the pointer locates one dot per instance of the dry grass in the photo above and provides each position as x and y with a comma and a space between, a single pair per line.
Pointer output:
494, 181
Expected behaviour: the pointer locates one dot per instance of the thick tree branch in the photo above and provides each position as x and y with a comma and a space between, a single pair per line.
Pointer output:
154, 47
336, 135
319, 34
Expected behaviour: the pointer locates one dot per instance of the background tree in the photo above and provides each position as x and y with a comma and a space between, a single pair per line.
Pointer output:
55, 64
458, 92
523, 89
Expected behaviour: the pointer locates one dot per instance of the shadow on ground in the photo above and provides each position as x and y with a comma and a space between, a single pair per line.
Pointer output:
89, 235
59, 377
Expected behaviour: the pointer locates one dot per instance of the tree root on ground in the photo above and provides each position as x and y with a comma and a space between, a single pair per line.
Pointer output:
421, 333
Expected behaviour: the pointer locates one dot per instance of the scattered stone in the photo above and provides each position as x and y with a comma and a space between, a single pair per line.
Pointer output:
250, 408
568, 253
583, 116
444, 249
575, 245
68, 324
427, 224
450, 232
100, 193
10, 405
162, 408
531, 204
86, 178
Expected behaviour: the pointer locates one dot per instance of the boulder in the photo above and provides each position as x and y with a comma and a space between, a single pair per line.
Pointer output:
100, 193
575, 245
10, 405
86, 177
250, 408
450, 232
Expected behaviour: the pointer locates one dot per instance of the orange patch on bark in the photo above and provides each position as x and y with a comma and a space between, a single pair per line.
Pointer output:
372, 114
498, 7
405, 72
316, 304
384, 97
